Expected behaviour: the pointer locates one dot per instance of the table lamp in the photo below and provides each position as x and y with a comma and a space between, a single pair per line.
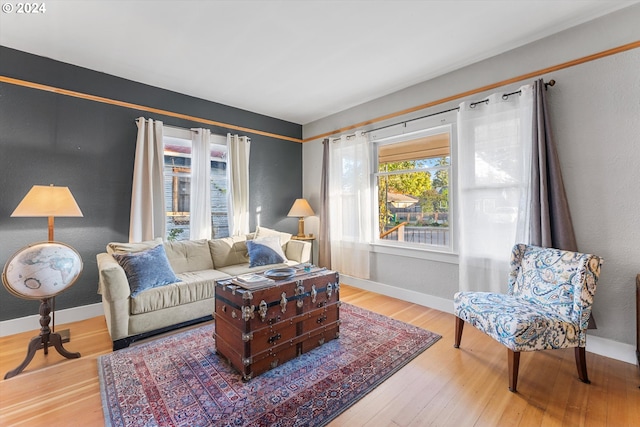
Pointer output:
301, 209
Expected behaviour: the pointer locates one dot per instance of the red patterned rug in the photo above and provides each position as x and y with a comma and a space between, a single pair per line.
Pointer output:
180, 381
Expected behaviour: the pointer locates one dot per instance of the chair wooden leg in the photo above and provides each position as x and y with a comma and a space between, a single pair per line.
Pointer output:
581, 364
458, 334
513, 358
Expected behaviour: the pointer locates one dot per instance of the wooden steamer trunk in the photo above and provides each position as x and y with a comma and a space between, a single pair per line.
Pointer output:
257, 330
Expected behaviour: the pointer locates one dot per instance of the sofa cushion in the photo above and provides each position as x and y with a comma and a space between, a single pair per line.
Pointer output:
262, 232
265, 251
189, 255
147, 269
194, 286
127, 248
228, 251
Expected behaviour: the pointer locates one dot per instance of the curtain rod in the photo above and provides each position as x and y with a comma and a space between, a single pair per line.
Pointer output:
181, 128
166, 125
473, 104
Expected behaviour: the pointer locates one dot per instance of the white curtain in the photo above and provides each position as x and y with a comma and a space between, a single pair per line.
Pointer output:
351, 205
147, 220
494, 172
200, 200
238, 148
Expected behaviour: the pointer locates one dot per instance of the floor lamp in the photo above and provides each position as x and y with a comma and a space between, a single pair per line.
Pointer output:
43, 270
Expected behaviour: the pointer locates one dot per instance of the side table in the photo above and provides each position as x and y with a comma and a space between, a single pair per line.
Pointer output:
306, 238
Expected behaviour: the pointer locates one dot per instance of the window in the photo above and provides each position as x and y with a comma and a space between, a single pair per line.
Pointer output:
177, 183
180, 188
413, 188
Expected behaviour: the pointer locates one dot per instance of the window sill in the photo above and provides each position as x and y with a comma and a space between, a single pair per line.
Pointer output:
413, 252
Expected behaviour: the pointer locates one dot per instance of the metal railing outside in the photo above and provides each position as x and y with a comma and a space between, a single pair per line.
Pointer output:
439, 236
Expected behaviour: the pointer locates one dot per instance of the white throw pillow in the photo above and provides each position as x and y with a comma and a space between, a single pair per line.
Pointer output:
267, 232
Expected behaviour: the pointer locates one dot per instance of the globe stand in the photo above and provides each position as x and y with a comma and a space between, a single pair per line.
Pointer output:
43, 341
41, 271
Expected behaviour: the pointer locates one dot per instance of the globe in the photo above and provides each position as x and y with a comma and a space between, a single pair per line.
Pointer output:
42, 270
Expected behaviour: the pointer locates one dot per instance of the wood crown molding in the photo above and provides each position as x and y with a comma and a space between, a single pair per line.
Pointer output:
533, 74
66, 92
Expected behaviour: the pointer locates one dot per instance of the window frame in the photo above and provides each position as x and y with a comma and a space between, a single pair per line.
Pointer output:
175, 195
407, 131
181, 135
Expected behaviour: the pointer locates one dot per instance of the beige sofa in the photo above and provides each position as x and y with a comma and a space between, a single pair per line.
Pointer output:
198, 264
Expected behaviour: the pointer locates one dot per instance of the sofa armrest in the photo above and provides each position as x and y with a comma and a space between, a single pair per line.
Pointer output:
112, 280
114, 288
298, 250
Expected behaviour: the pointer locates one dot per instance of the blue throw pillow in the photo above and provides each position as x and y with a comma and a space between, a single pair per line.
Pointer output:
147, 269
265, 251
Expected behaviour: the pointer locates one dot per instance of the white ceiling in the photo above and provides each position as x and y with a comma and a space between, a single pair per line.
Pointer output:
295, 60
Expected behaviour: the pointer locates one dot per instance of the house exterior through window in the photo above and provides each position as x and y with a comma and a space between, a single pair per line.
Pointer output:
412, 180
177, 184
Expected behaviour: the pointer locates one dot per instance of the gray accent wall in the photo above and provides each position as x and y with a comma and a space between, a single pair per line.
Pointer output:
47, 138
595, 115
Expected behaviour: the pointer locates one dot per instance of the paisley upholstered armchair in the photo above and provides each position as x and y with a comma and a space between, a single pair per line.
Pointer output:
547, 306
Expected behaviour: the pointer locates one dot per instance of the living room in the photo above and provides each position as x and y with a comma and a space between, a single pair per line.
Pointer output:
89, 146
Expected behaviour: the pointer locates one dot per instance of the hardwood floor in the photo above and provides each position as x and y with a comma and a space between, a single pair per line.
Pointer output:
443, 386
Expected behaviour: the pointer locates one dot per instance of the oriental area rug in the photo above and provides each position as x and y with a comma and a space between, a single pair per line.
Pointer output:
179, 380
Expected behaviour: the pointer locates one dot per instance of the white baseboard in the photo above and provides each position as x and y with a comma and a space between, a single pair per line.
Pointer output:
32, 323
598, 345
613, 349
430, 301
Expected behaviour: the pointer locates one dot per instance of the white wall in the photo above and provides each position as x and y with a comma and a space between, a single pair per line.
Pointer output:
595, 114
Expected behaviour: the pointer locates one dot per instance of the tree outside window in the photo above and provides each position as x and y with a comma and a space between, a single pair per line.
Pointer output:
413, 190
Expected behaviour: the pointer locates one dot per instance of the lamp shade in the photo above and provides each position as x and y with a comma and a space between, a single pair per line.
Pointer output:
301, 208
47, 201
